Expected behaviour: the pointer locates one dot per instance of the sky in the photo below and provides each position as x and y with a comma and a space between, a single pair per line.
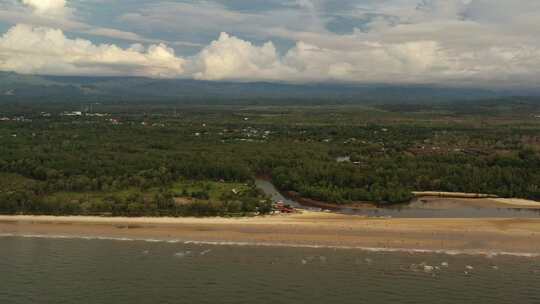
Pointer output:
487, 43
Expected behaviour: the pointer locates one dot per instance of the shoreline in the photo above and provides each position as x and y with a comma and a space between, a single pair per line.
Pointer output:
309, 229
456, 200
470, 252
466, 200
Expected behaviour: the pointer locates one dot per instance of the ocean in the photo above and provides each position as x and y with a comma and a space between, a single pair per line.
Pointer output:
76, 270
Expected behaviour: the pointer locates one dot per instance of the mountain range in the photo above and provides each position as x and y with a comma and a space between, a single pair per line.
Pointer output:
19, 87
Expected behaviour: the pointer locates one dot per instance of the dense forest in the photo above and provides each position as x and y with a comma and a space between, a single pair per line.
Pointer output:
178, 160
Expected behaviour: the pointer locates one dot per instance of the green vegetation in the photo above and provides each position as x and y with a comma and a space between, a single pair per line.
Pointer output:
166, 159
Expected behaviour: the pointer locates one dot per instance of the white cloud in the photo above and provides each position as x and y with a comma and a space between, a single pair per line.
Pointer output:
192, 18
233, 58
55, 7
57, 14
463, 42
28, 49
52, 13
372, 62
195, 16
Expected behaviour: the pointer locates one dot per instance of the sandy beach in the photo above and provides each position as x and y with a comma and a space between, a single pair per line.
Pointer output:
306, 229
436, 202
516, 202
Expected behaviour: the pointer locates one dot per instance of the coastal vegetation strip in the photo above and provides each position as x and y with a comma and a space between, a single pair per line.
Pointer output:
169, 160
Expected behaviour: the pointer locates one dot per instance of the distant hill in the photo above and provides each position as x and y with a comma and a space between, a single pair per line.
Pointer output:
17, 87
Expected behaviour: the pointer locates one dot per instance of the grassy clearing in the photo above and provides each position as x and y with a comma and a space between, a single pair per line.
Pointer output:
15, 182
210, 190
93, 196
202, 190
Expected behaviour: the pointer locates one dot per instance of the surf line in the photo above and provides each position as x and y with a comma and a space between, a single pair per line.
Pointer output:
471, 252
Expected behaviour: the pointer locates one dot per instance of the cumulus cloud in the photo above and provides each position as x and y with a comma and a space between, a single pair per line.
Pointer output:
28, 49
352, 59
57, 14
371, 62
461, 42
54, 7
233, 58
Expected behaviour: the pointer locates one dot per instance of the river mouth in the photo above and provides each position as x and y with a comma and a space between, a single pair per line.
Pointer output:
425, 207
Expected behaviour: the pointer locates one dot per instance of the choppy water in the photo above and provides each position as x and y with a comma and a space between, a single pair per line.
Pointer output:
41, 270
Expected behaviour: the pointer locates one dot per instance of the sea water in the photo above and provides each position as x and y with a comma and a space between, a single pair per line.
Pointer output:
76, 270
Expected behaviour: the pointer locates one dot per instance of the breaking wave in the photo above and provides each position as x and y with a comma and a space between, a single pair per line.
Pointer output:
472, 252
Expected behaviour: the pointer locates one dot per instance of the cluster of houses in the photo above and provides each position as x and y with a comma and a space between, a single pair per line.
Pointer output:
248, 134
47, 114
81, 113
72, 113
281, 207
18, 119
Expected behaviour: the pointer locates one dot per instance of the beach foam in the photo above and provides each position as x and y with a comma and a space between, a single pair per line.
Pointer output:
472, 252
